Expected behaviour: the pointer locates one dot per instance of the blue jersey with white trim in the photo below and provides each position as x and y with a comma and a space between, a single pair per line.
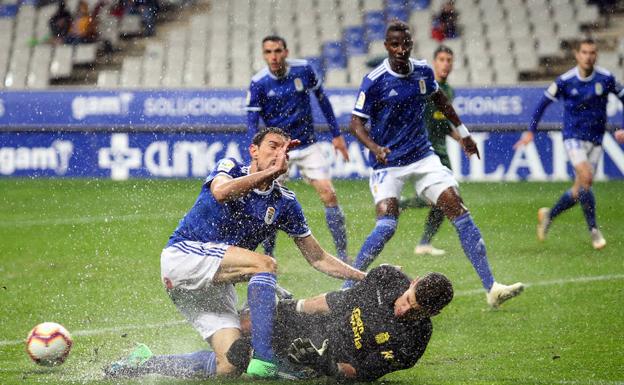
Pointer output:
244, 222
285, 102
585, 102
395, 105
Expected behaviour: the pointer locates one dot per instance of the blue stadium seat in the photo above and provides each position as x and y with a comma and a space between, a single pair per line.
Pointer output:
8, 10
419, 5
374, 23
334, 55
355, 41
397, 13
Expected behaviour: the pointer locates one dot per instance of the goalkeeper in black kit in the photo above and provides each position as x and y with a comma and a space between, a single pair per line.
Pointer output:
379, 326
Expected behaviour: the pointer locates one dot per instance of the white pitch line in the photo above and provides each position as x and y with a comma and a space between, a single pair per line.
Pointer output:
461, 293
86, 220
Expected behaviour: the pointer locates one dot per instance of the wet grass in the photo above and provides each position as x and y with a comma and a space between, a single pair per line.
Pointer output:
85, 253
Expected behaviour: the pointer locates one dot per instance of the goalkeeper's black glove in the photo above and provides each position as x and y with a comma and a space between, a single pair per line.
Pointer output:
304, 352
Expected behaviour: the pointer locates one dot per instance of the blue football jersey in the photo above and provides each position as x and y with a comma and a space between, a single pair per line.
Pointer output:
395, 106
285, 102
244, 222
585, 102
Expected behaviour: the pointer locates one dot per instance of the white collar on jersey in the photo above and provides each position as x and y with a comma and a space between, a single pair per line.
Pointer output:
386, 64
275, 77
267, 191
578, 75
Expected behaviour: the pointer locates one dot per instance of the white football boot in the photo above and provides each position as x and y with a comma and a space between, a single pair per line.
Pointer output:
428, 250
543, 221
598, 240
500, 293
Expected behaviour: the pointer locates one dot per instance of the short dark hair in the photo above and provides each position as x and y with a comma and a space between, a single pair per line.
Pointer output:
585, 40
397, 26
442, 48
259, 137
275, 38
433, 292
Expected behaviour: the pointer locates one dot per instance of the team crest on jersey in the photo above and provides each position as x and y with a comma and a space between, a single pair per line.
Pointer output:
360, 100
298, 84
269, 216
382, 338
599, 89
423, 86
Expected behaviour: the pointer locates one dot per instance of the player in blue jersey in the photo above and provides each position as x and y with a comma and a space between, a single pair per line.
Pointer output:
213, 248
280, 94
584, 91
393, 98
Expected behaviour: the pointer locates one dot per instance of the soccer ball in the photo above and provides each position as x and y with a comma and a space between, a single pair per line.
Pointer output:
48, 344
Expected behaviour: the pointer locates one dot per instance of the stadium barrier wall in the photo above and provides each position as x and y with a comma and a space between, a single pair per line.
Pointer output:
180, 134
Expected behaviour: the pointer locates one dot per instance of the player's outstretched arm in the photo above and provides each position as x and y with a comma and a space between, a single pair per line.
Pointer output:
443, 104
528, 136
359, 131
338, 141
325, 262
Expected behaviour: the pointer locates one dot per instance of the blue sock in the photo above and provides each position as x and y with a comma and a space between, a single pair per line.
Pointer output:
261, 299
336, 223
374, 244
269, 244
565, 202
474, 247
588, 203
197, 364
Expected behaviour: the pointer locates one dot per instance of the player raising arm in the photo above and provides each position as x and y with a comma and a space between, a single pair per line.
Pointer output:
584, 90
393, 98
212, 248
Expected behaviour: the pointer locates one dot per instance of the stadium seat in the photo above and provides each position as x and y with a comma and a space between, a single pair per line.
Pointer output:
85, 53
309, 47
336, 77
18, 68
375, 26
61, 65
586, 14
39, 72
610, 60
153, 59
507, 77
174, 66
568, 30
373, 5
108, 79
460, 77
420, 23
130, 25
333, 55
355, 42
131, 72
357, 69
42, 30
481, 77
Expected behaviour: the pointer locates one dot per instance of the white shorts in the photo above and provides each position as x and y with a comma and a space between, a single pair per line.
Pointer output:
430, 177
187, 270
312, 162
580, 151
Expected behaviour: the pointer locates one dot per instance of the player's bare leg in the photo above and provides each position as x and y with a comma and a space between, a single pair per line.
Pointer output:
220, 343
239, 265
474, 247
333, 215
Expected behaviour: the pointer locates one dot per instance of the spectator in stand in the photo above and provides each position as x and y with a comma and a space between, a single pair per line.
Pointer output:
444, 24
82, 28
60, 23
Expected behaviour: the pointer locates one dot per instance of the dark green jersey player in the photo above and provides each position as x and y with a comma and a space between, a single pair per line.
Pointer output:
438, 127
380, 325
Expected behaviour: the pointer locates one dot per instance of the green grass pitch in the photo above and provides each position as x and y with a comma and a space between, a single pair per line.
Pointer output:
85, 253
